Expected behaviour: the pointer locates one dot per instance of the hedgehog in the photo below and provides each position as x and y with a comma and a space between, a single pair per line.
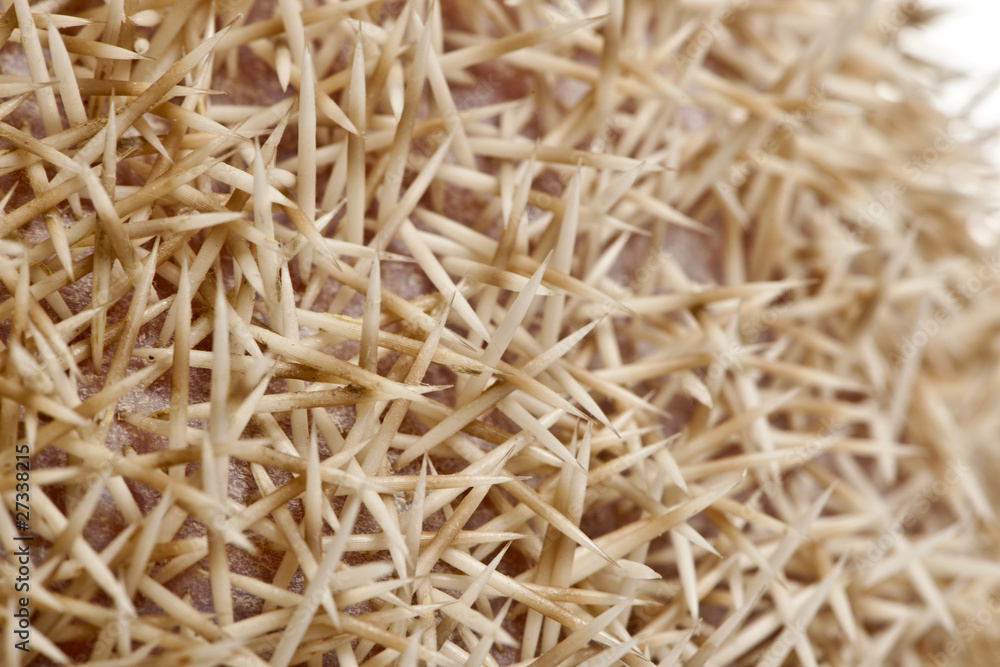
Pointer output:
492, 332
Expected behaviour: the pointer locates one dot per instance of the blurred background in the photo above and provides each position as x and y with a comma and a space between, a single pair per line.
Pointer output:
966, 37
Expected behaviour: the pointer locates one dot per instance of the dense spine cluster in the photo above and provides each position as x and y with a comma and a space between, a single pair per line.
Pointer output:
472, 332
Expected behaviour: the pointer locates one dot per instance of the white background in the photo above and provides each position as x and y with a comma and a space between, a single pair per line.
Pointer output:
967, 38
